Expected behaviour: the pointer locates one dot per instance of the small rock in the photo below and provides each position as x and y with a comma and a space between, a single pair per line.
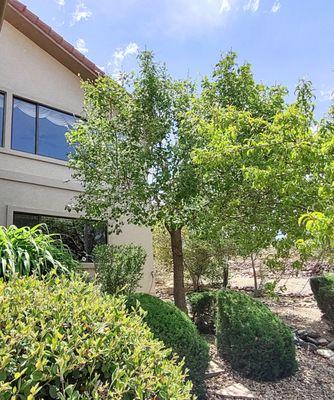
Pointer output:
311, 340
214, 369
308, 346
322, 342
237, 391
331, 345
312, 334
326, 353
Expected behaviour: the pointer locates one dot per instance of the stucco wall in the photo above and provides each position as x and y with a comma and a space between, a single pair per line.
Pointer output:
35, 183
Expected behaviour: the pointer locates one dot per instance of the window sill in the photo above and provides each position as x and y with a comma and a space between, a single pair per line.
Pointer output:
35, 157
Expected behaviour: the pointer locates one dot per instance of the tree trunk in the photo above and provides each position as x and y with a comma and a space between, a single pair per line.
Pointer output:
256, 289
195, 280
225, 275
178, 267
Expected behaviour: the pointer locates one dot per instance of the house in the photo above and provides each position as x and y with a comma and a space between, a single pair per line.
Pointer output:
40, 97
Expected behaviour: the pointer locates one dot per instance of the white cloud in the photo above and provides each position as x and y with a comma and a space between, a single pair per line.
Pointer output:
276, 7
81, 13
225, 6
252, 5
61, 3
326, 95
119, 55
81, 46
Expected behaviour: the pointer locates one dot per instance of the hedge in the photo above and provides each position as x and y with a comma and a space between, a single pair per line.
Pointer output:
253, 339
323, 290
176, 330
62, 339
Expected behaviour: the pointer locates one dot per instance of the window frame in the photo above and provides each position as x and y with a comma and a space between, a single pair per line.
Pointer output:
2, 127
37, 105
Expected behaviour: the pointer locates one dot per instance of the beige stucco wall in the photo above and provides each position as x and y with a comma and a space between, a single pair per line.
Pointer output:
35, 183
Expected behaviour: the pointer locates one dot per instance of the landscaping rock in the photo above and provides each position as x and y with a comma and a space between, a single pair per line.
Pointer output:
236, 391
331, 345
322, 342
214, 369
306, 345
326, 353
312, 334
311, 340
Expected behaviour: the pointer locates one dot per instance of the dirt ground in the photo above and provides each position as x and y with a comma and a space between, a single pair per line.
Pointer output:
315, 377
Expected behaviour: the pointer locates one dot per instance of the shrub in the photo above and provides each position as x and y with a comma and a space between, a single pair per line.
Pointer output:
25, 251
254, 340
203, 309
62, 339
323, 290
175, 329
119, 268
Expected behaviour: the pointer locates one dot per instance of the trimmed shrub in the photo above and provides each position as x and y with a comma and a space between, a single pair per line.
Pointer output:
25, 251
119, 267
253, 339
175, 329
323, 290
62, 339
203, 309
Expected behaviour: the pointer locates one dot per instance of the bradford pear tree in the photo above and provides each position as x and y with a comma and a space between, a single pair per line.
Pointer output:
133, 156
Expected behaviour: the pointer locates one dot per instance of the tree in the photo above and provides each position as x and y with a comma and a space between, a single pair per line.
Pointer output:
259, 156
133, 156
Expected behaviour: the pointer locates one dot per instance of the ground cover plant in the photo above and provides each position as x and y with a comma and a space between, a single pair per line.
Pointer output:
61, 338
176, 331
252, 338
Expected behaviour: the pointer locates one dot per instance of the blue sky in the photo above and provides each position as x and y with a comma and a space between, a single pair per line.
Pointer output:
284, 40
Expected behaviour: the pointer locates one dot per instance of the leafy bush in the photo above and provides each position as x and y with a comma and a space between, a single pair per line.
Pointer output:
26, 250
254, 340
323, 290
175, 329
203, 309
119, 268
61, 339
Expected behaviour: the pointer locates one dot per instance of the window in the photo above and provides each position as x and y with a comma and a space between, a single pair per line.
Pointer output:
2, 117
40, 130
80, 236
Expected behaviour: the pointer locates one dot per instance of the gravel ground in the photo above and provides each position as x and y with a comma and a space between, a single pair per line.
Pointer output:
313, 381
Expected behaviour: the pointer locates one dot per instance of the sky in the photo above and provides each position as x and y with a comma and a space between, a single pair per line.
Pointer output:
284, 40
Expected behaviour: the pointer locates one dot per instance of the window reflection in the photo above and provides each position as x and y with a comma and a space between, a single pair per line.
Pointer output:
52, 128
24, 126
2, 110
40, 130
80, 236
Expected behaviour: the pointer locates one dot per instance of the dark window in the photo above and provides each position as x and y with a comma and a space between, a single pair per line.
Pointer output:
80, 236
2, 117
40, 130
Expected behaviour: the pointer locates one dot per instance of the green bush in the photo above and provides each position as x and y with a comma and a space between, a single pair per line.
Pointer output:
25, 251
62, 339
254, 340
119, 268
323, 290
176, 330
203, 309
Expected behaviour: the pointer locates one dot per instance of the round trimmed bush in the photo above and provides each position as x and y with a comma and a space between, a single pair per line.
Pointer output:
252, 338
175, 329
62, 339
323, 290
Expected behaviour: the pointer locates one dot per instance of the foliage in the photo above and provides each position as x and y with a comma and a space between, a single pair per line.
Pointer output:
260, 158
254, 340
61, 339
323, 290
133, 154
26, 251
176, 330
203, 310
119, 267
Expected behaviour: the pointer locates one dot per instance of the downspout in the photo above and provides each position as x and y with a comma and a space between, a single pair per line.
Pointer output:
3, 4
